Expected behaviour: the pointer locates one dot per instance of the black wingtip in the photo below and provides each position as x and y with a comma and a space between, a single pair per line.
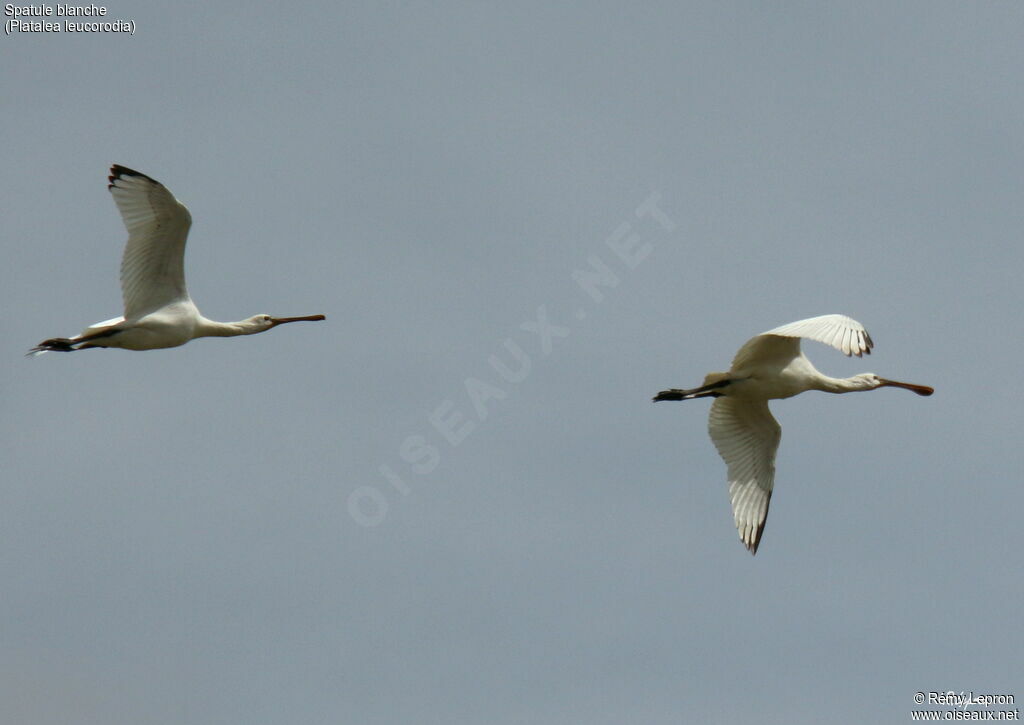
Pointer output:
759, 532
117, 171
752, 546
668, 395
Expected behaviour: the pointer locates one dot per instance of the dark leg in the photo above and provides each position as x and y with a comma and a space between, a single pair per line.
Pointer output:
67, 344
55, 344
704, 391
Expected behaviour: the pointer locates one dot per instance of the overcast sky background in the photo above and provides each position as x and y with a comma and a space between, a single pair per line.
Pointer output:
176, 540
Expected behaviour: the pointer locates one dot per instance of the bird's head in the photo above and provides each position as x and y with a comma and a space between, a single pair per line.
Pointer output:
262, 323
870, 381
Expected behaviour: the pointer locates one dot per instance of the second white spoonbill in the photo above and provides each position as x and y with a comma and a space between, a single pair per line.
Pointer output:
742, 428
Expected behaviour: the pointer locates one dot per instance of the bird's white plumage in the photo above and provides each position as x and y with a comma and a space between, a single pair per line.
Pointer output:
158, 311
747, 437
743, 429
106, 323
841, 332
153, 264
770, 366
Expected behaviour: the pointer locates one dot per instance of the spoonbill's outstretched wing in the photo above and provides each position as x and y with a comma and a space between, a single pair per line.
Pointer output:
153, 264
747, 437
841, 332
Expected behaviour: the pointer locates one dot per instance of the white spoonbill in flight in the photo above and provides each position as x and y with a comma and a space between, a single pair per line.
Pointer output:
158, 311
742, 428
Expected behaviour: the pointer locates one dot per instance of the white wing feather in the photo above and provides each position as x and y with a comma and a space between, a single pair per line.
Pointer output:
747, 438
105, 323
841, 332
153, 264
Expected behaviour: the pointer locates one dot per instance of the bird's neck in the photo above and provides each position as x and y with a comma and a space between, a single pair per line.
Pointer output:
212, 328
840, 385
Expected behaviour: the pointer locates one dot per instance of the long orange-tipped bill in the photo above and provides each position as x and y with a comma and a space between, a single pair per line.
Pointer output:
307, 318
919, 389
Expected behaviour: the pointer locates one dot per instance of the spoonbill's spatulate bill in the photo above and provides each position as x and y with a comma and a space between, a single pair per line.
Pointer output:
742, 428
158, 311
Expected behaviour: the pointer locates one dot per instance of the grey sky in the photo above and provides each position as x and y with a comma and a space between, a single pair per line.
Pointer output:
175, 536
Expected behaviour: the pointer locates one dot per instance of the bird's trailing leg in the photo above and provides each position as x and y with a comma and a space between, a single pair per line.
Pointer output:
67, 344
710, 390
54, 344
